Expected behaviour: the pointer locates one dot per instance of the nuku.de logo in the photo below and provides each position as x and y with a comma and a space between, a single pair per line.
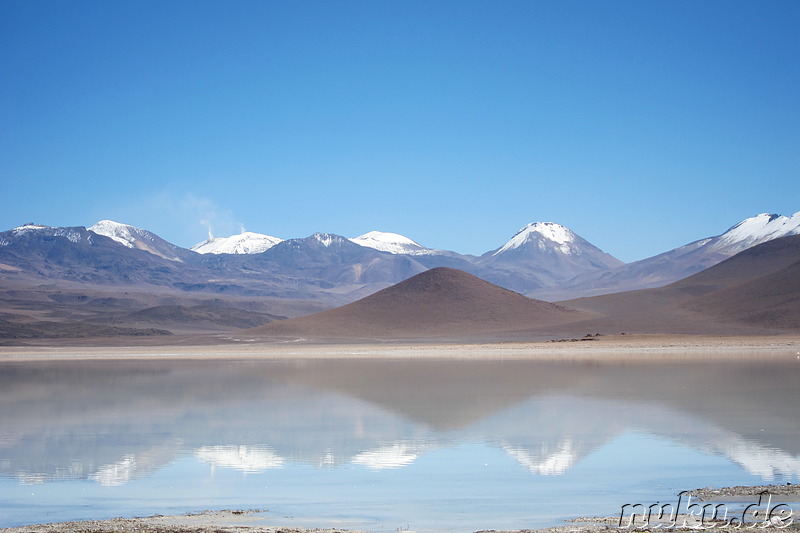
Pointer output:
685, 514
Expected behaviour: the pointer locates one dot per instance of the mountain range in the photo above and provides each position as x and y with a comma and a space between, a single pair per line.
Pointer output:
755, 291
128, 279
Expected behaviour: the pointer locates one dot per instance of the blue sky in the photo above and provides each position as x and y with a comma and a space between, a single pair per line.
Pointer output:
640, 125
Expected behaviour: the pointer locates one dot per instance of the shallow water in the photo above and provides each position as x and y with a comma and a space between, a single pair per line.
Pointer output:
384, 445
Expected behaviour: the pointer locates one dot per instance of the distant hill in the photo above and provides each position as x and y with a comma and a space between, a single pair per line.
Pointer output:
436, 303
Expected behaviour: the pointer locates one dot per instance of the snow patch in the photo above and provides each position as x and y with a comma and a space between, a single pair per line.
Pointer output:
325, 239
70, 234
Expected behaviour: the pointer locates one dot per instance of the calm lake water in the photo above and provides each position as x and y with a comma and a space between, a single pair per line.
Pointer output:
385, 445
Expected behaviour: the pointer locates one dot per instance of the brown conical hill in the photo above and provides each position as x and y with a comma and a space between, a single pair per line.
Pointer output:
441, 302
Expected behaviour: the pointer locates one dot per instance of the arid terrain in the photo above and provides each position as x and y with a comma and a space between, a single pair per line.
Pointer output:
756, 292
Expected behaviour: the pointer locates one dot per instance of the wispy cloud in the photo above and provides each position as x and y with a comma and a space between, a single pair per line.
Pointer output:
204, 212
183, 218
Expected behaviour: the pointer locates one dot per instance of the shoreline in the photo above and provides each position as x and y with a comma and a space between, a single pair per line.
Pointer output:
249, 521
613, 347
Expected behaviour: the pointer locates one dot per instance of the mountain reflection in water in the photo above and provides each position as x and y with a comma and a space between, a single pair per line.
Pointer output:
117, 421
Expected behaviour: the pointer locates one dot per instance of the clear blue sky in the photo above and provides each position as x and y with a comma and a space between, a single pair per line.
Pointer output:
641, 125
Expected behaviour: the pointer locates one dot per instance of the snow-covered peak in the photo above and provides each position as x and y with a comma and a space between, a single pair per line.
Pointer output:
390, 242
122, 233
133, 237
246, 242
536, 231
758, 229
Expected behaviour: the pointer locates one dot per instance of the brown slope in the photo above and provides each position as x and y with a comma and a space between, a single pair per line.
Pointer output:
745, 266
441, 302
771, 301
755, 290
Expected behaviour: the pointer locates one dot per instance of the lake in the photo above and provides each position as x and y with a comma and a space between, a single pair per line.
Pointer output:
386, 445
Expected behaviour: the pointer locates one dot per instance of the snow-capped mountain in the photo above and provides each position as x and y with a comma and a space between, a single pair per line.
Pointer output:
318, 249
543, 235
75, 235
755, 230
551, 239
746, 234
543, 254
680, 262
133, 237
391, 242
318, 241
80, 255
246, 242
329, 260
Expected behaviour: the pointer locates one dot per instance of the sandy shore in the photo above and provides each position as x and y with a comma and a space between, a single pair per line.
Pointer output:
251, 521
639, 347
